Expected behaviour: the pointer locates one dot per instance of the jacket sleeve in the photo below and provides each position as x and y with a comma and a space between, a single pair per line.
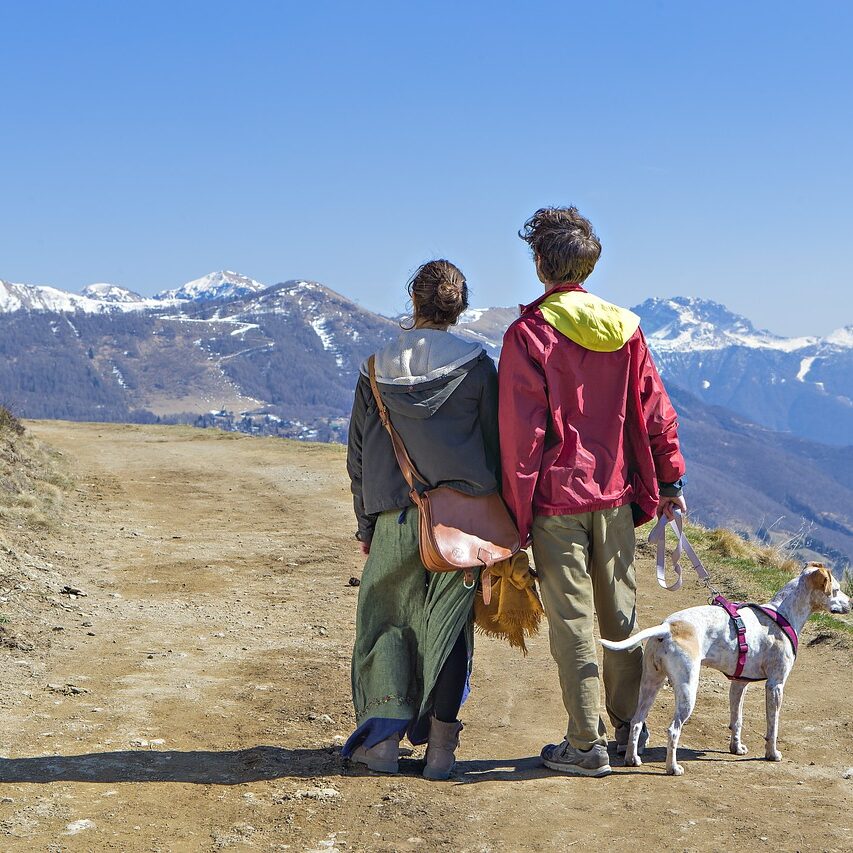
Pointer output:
488, 416
523, 420
354, 462
661, 420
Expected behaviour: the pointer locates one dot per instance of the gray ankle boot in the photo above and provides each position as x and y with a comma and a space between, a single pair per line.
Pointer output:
441, 748
383, 758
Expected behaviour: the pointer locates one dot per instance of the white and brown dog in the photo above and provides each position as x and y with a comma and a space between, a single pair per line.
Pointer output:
708, 635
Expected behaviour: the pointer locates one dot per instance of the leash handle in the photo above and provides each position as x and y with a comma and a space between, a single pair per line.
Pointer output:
682, 546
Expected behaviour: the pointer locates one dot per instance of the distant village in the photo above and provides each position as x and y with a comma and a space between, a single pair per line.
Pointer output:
264, 422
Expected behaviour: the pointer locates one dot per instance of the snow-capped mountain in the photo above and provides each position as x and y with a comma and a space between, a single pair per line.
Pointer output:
104, 297
95, 299
691, 324
799, 385
341, 327
224, 284
111, 293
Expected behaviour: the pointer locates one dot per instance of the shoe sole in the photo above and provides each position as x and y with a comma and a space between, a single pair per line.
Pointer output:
576, 770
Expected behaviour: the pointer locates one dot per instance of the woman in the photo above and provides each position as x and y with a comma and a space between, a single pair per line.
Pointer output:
414, 629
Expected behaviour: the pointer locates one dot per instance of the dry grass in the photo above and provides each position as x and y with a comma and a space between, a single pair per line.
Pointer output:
727, 543
32, 477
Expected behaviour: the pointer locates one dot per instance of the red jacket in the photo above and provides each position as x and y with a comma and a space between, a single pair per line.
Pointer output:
585, 422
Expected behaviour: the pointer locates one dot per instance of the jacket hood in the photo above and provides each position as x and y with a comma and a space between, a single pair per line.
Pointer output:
419, 371
588, 320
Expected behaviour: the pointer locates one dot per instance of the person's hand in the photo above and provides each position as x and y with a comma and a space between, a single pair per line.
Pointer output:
365, 548
667, 507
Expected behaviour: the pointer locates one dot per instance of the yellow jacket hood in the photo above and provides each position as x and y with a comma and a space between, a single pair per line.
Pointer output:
589, 321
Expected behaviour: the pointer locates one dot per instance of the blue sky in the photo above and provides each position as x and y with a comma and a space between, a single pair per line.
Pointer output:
710, 143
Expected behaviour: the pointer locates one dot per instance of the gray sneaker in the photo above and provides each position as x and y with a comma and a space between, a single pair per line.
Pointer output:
564, 758
623, 732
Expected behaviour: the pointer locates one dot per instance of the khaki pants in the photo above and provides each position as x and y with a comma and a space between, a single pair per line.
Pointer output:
585, 564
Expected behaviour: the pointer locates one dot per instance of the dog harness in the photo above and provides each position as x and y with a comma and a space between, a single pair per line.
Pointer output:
682, 546
733, 609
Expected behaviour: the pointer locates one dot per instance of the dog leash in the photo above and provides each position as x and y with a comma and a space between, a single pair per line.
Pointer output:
682, 546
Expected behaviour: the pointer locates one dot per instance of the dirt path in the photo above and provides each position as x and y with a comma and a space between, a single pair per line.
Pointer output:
213, 648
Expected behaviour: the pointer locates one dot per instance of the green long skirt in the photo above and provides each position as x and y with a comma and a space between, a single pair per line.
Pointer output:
407, 623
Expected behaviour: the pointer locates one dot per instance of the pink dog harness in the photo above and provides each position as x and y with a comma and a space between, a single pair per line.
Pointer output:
733, 609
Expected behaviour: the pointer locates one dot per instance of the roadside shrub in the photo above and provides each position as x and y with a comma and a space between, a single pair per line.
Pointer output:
8, 422
33, 477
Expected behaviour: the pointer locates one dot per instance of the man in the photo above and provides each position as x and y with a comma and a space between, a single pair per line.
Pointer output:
589, 449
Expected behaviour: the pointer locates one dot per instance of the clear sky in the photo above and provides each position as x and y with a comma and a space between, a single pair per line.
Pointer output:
149, 143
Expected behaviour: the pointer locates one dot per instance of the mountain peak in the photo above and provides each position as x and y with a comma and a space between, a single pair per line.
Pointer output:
29, 297
842, 337
693, 323
106, 292
224, 284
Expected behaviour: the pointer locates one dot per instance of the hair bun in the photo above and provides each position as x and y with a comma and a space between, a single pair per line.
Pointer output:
448, 295
439, 292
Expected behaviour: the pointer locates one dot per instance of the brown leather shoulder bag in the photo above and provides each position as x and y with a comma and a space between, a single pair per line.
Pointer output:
457, 531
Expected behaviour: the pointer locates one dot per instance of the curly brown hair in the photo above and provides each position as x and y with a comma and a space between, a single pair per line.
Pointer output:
439, 293
563, 242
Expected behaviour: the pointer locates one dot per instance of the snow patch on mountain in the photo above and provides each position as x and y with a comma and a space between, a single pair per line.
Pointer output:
472, 315
319, 325
225, 284
242, 328
805, 367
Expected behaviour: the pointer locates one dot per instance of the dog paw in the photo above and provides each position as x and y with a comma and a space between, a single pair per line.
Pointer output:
633, 761
773, 755
675, 770
738, 749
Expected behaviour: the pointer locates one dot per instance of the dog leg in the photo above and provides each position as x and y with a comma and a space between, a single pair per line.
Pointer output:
653, 679
685, 698
773, 700
737, 692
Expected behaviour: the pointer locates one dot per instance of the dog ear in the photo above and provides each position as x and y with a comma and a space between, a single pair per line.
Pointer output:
820, 577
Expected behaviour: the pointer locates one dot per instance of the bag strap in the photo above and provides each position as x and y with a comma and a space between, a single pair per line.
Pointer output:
658, 537
407, 467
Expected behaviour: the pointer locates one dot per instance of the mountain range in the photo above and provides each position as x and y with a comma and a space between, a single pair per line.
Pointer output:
767, 421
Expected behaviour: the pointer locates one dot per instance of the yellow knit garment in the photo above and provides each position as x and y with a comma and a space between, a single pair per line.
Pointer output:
515, 610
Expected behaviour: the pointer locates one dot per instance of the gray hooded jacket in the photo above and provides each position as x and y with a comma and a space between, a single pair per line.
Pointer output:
442, 394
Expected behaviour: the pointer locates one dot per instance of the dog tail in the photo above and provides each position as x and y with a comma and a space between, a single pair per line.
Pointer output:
647, 634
